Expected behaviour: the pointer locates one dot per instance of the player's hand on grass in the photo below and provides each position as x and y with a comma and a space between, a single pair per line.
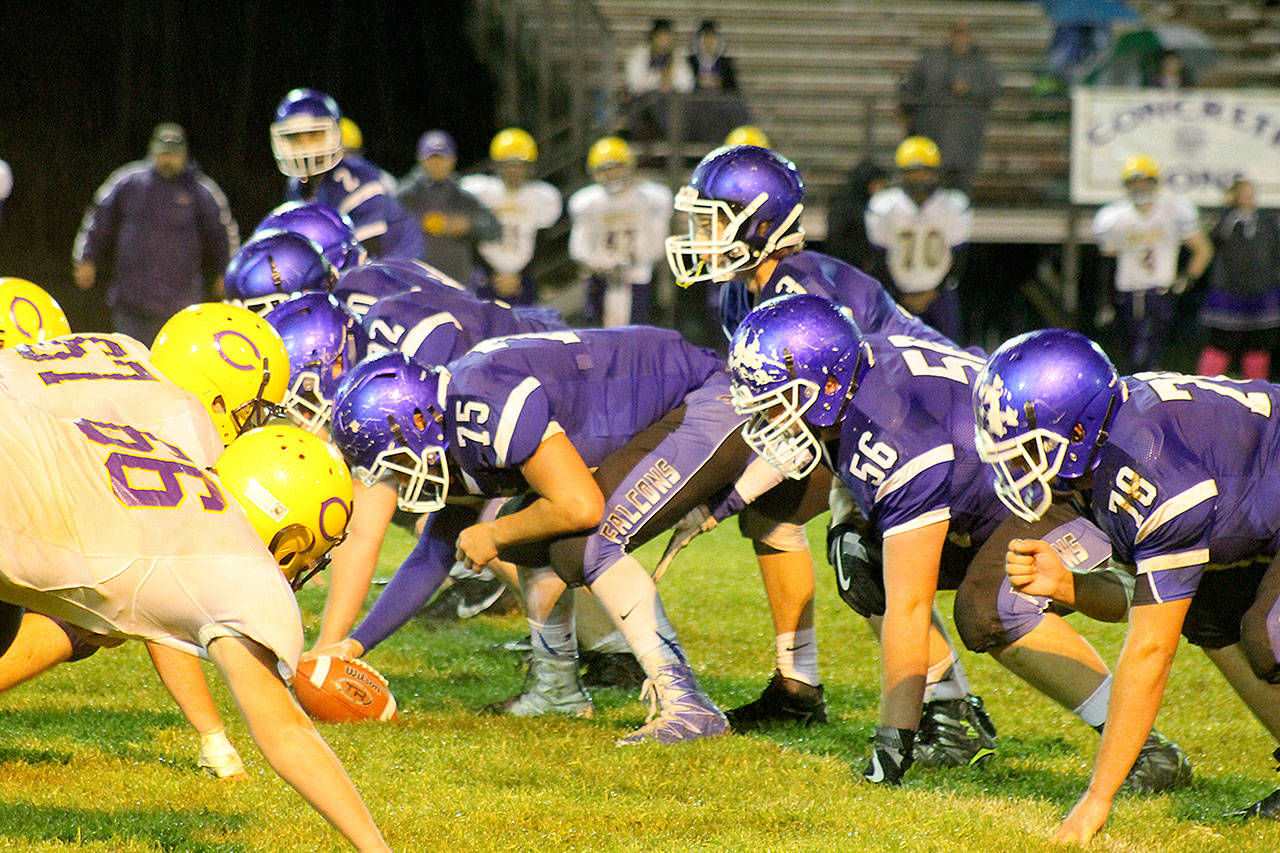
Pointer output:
1084, 821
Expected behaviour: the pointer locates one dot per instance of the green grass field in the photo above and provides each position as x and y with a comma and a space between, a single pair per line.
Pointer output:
95, 756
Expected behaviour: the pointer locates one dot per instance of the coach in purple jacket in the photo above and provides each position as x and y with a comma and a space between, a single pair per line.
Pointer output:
163, 228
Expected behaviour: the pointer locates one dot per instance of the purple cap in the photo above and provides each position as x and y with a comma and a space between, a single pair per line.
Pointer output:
436, 142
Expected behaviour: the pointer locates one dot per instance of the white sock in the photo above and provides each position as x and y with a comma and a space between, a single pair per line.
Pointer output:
797, 655
1094, 709
550, 612
630, 598
946, 680
613, 643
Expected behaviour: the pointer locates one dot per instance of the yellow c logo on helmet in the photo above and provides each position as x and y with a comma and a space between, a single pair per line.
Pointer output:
747, 134
917, 152
295, 489
513, 144
1138, 168
609, 151
230, 358
28, 314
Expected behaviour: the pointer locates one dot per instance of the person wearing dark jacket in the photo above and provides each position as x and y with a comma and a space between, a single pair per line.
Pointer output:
164, 230
452, 219
846, 223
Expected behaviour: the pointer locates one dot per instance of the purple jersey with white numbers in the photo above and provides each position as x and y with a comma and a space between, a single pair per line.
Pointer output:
598, 386
906, 449
437, 323
1189, 476
355, 187
870, 305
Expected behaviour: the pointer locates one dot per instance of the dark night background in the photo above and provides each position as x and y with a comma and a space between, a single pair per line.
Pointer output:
83, 84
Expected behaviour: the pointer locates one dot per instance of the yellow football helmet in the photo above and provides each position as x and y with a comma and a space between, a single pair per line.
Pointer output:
917, 152
230, 358
748, 134
1139, 167
609, 151
296, 491
352, 138
28, 314
513, 144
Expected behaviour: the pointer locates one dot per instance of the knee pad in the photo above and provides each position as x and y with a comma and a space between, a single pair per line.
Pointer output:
80, 647
778, 535
10, 622
859, 568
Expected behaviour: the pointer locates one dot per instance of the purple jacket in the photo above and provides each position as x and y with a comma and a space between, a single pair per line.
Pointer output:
160, 238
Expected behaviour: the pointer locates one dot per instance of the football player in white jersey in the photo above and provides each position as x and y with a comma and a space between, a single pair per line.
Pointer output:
619, 231
1144, 231
221, 355
919, 227
523, 207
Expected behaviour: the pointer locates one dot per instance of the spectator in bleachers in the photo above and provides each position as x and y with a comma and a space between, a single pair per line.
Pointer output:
1241, 311
1170, 72
711, 67
654, 70
947, 97
452, 219
846, 222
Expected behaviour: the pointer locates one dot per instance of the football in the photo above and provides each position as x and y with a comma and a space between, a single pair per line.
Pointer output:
343, 690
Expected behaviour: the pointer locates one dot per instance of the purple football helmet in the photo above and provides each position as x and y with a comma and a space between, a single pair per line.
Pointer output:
743, 203
360, 287
306, 137
324, 340
386, 421
332, 230
273, 266
1043, 402
795, 362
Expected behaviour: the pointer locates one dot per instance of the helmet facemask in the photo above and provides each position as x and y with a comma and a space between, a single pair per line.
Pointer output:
713, 250
305, 146
422, 477
1026, 466
777, 431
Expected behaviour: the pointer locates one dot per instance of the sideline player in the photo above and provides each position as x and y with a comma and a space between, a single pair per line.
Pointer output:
1144, 231
523, 206
921, 229
306, 139
1180, 473
619, 225
893, 415
743, 205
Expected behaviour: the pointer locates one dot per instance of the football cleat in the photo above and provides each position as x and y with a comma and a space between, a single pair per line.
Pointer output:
1267, 808
551, 686
954, 733
891, 756
784, 700
678, 709
612, 669
468, 597
1161, 766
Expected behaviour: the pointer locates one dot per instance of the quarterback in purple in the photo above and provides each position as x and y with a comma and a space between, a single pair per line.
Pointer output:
1181, 473
533, 415
893, 416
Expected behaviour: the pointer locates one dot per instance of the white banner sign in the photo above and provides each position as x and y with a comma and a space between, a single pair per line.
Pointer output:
1202, 139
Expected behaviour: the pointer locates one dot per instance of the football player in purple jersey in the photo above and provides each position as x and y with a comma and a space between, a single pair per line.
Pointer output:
892, 415
535, 413
743, 204
1180, 473
306, 139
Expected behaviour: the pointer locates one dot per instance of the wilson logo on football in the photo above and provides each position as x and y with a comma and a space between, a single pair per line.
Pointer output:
336, 690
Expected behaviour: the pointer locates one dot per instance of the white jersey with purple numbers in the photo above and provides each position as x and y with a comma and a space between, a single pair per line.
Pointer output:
866, 300
437, 323
1189, 479
598, 386
115, 529
1145, 243
532, 206
108, 377
906, 450
624, 231
918, 238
